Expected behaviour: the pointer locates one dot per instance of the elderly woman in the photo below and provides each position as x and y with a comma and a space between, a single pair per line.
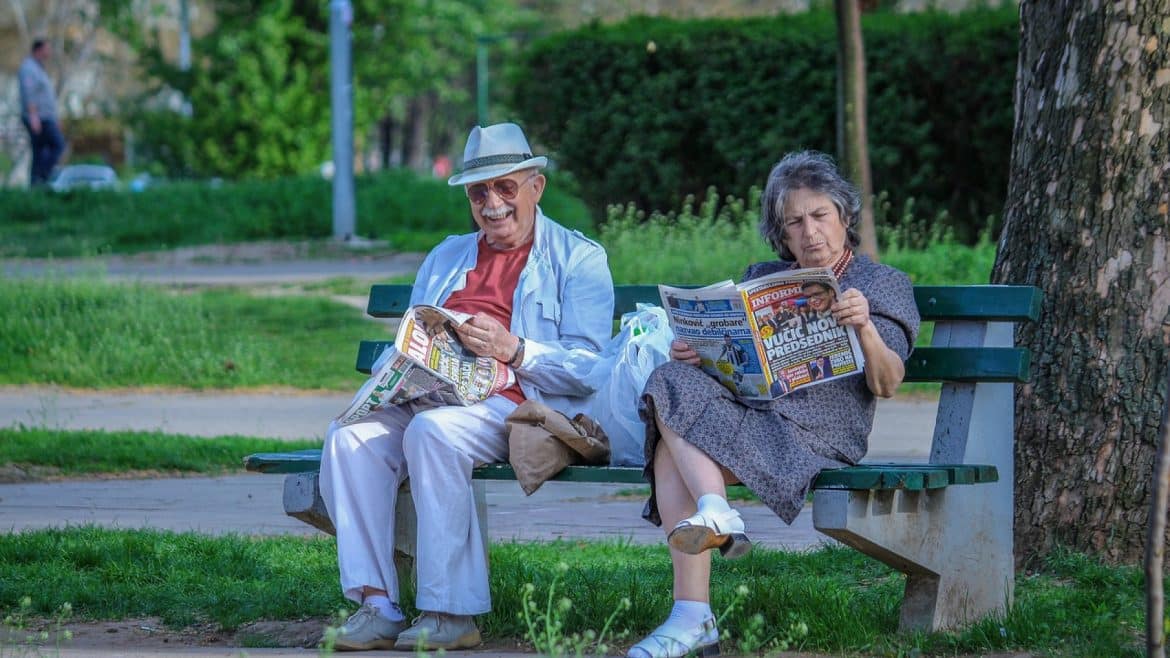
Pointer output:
699, 437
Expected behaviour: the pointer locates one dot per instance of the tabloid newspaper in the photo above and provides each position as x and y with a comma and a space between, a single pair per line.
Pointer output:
766, 337
427, 360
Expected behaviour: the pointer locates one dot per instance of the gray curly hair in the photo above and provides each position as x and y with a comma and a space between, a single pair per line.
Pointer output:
814, 171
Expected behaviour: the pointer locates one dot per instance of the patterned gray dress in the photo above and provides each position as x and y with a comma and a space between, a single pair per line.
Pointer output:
777, 448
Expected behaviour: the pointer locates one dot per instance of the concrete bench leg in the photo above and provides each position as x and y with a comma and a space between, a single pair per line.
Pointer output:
954, 544
956, 570
302, 501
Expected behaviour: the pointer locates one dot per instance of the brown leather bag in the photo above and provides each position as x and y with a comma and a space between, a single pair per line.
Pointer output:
543, 441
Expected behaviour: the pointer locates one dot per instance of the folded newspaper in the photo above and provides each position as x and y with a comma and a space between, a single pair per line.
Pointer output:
427, 360
766, 337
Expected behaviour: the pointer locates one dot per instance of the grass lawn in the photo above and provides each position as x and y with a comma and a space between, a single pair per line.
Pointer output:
832, 600
89, 333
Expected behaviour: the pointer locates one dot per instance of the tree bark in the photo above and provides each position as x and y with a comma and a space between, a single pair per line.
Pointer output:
852, 131
1086, 220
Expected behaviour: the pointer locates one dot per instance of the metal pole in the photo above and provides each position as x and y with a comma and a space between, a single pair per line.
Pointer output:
341, 95
184, 37
481, 79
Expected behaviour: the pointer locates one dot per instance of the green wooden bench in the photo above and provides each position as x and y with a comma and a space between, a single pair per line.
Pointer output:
953, 542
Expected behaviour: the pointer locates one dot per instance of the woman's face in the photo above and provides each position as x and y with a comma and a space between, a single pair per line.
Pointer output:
813, 229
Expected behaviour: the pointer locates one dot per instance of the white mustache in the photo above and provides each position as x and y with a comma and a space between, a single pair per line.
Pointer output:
496, 213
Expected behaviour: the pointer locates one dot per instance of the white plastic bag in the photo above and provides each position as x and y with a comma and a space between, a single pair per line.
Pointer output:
642, 344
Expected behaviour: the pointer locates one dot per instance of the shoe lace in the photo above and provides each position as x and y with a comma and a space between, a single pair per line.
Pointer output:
367, 610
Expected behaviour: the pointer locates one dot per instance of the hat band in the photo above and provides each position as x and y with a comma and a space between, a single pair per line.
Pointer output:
489, 160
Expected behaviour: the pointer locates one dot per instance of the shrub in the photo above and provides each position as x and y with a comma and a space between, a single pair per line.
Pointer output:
652, 110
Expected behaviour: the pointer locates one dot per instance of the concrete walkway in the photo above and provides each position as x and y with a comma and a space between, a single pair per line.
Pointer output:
252, 503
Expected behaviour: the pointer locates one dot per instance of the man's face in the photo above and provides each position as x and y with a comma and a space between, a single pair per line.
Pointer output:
819, 298
505, 207
43, 53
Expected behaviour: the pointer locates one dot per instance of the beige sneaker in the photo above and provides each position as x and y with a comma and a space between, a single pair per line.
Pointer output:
438, 630
366, 629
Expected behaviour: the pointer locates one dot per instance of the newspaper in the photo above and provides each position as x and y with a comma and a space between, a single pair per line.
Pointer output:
766, 337
427, 360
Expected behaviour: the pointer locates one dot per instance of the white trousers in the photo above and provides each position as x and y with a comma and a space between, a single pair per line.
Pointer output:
362, 466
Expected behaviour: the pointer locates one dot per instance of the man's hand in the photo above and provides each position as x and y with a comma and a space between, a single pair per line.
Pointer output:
485, 336
681, 351
34, 122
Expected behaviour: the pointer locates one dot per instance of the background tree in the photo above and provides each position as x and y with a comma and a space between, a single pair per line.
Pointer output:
258, 89
1086, 220
852, 127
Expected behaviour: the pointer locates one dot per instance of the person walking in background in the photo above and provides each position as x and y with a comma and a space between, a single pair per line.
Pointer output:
38, 112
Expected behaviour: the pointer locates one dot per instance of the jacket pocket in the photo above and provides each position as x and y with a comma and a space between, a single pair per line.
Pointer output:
550, 309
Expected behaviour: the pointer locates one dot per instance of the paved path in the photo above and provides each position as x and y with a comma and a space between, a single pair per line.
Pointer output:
251, 503
252, 264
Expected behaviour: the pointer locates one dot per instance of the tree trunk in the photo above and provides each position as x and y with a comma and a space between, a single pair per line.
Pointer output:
1156, 544
1086, 220
852, 134
418, 120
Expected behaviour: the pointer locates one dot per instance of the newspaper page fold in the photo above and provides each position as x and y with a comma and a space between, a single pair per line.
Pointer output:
427, 360
769, 336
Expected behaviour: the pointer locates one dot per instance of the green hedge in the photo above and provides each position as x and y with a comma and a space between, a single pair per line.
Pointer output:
412, 212
652, 110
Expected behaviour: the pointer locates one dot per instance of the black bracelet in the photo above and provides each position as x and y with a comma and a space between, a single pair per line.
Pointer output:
518, 353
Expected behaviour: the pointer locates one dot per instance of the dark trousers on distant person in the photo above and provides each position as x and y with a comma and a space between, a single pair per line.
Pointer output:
47, 147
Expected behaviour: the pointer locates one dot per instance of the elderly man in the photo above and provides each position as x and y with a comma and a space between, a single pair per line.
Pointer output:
541, 296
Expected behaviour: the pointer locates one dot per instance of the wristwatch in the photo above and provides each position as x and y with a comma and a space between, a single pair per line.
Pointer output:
518, 355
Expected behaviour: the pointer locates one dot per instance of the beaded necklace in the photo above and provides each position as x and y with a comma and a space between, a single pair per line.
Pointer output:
838, 267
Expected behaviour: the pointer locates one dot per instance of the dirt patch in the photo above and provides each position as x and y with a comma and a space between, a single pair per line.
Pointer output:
149, 634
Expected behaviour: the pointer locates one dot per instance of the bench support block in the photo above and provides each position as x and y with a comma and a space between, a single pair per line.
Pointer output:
953, 544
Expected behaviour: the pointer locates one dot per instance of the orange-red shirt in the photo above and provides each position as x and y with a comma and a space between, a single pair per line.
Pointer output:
490, 287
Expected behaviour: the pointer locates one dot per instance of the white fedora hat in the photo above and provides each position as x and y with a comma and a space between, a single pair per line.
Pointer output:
495, 151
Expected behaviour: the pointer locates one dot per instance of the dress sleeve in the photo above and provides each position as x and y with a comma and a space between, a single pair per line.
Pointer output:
893, 310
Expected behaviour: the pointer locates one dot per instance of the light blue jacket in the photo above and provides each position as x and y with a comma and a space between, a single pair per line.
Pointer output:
562, 307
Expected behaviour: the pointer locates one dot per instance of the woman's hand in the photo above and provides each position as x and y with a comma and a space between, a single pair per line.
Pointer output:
884, 369
852, 309
485, 336
681, 351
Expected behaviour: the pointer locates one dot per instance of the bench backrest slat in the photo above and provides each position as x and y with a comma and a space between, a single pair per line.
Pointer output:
985, 303
926, 364
976, 303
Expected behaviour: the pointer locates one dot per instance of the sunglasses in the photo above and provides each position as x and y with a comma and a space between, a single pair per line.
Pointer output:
505, 188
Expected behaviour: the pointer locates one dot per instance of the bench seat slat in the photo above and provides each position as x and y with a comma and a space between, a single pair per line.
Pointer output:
300, 461
911, 477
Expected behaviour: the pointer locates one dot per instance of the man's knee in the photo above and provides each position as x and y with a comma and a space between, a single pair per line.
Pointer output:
426, 431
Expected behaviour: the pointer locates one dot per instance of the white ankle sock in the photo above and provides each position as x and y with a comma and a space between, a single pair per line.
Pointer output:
713, 503
688, 614
386, 607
